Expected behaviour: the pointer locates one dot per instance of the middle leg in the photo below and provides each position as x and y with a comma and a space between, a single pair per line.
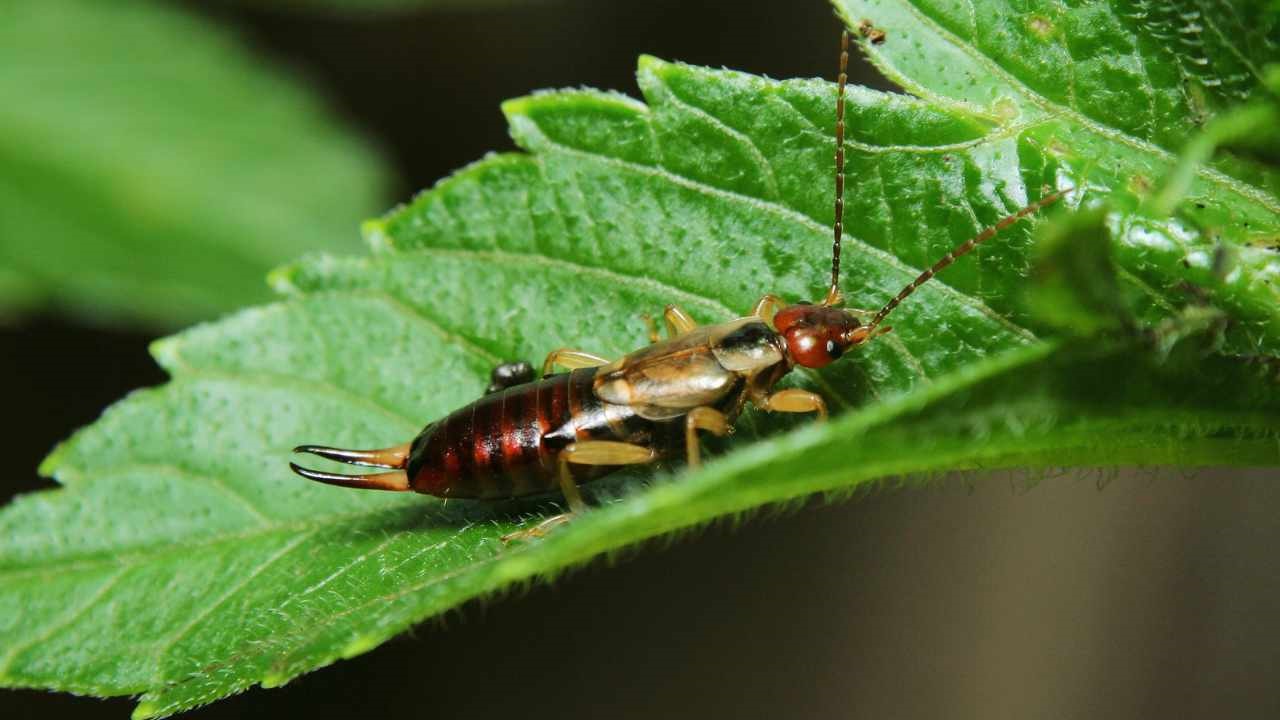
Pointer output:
571, 360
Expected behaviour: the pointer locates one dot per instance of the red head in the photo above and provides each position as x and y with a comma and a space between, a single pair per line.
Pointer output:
818, 334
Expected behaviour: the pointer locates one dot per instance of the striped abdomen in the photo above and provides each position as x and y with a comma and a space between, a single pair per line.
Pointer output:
505, 444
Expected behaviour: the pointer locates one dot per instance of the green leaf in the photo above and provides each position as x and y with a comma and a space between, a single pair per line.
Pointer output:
370, 7
152, 170
1253, 128
1074, 286
1112, 91
181, 561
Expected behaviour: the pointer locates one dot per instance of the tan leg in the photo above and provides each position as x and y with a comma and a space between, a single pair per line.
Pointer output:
792, 400
652, 327
678, 321
570, 360
587, 452
702, 418
768, 306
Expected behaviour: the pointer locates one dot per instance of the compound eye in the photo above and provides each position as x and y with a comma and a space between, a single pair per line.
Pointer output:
834, 350
807, 346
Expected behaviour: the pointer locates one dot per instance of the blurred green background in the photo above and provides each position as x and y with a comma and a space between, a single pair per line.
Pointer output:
157, 158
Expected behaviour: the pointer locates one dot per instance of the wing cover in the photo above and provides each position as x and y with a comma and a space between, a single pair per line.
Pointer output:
669, 378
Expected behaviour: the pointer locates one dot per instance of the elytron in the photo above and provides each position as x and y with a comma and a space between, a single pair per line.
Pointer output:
528, 435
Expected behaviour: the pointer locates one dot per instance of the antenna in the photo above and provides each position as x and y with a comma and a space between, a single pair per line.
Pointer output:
961, 250
833, 294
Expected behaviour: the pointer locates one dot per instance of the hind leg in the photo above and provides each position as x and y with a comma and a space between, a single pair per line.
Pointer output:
586, 452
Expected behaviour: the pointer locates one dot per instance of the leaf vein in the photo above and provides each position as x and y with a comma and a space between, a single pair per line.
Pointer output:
62, 623
800, 218
761, 160
1238, 187
164, 646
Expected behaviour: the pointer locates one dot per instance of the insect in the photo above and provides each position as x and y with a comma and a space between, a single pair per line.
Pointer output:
530, 435
868, 30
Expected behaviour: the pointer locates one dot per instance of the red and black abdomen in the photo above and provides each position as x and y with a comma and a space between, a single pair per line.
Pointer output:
505, 444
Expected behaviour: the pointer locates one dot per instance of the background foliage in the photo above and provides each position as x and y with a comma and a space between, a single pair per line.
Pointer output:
153, 171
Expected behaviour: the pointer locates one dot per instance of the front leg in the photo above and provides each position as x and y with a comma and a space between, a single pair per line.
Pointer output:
767, 306
585, 452
793, 400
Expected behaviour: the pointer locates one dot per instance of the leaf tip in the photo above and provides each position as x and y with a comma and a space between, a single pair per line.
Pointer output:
281, 281
275, 680
359, 646
165, 352
146, 709
53, 460
516, 106
651, 64
376, 236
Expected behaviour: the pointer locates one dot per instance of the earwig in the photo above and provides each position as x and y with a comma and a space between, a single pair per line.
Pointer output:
870, 32
529, 436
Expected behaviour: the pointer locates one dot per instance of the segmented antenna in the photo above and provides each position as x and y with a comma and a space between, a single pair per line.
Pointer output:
833, 295
964, 249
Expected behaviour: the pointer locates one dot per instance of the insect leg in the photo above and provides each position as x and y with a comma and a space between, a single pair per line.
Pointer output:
571, 360
597, 452
587, 452
767, 306
793, 400
678, 321
702, 418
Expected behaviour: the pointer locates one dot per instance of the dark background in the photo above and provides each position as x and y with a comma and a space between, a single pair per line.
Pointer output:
1153, 594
